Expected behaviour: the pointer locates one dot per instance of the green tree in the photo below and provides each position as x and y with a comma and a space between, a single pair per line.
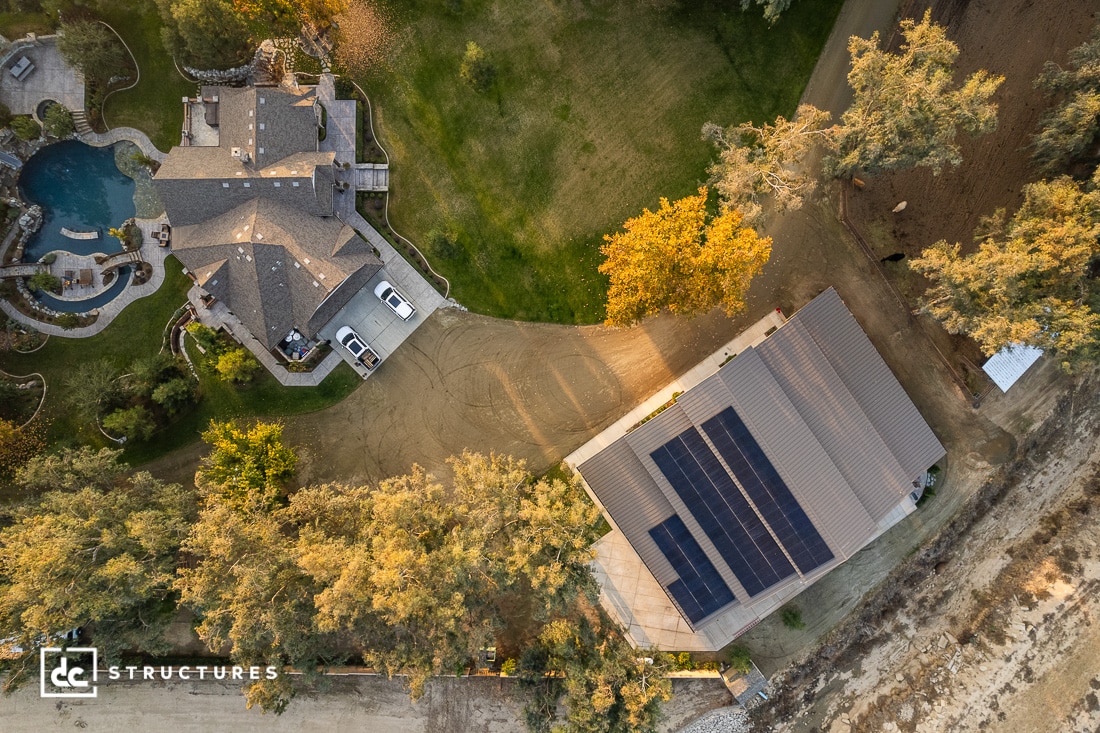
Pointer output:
476, 68
681, 259
205, 336
237, 365
206, 34
1069, 130
792, 618
772, 8
175, 394
5, 115
149, 371
58, 121
91, 47
244, 464
72, 470
907, 108
25, 128
136, 423
1031, 280
102, 554
43, 280
94, 388
755, 163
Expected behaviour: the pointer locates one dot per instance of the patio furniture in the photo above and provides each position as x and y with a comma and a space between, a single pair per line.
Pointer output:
22, 68
85, 276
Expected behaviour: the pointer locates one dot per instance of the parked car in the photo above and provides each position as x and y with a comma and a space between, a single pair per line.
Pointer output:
354, 343
397, 302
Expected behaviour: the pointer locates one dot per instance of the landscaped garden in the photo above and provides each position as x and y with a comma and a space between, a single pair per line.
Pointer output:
135, 337
591, 117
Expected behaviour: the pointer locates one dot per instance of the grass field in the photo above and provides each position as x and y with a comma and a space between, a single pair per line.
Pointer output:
137, 332
596, 113
14, 26
153, 106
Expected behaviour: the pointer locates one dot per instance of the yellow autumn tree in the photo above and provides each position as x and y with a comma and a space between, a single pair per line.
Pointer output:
680, 258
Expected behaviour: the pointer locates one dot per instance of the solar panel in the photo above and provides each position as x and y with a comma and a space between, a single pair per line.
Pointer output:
767, 490
700, 591
722, 511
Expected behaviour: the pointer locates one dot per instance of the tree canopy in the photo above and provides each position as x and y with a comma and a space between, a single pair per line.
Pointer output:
97, 547
245, 463
1069, 130
907, 108
91, 47
767, 161
1031, 280
680, 258
205, 34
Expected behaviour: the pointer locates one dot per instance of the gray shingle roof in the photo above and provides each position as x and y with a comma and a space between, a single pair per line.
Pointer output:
253, 216
829, 415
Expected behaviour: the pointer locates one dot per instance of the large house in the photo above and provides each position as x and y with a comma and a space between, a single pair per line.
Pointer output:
249, 196
757, 481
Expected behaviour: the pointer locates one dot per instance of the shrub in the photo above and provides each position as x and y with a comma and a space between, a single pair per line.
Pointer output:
50, 258
68, 320
508, 668
25, 128
792, 618
739, 658
44, 281
476, 69
205, 337
5, 115
684, 661
58, 121
237, 365
174, 394
136, 423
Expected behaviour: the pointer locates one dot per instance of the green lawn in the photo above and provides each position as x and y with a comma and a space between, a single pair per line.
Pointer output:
153, 106
137, 332
596, 114
14, 26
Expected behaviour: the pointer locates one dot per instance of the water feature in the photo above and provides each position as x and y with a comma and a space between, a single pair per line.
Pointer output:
80, 188
84, 305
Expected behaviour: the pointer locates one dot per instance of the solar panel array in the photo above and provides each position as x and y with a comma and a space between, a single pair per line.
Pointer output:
700, 591
722, 511
767, 490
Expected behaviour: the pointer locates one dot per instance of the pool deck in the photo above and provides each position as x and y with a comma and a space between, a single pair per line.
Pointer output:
117, 134
150, 252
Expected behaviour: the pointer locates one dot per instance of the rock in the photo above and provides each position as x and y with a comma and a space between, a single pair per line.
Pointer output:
983, 668
951, 639
899, 677
942, 643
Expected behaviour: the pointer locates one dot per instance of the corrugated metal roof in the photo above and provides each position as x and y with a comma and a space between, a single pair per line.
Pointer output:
827, 412
1009, 364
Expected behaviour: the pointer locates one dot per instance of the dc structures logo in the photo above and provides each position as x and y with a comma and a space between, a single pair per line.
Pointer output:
68, 676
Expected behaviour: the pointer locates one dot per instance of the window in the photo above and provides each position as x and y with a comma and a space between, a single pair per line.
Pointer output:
295, 184
247, 184
261, 151
225, 184
261, 125
278, 185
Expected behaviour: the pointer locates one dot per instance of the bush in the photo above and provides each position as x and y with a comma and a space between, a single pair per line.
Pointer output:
58, 121
5, 115
508, 668
792, 618
44, 281
739, 658
25, 128
49, 259
68, 320
174, 394
238, 365
476, 69
135, 423
684, 661
205, 337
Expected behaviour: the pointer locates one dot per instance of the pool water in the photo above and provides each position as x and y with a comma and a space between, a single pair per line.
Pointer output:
79, 188
82, 306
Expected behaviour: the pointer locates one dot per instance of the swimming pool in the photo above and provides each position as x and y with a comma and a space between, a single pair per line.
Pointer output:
79, 188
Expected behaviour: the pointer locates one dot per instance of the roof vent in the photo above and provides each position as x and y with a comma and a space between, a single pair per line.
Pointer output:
235, 152
259, 236
214, 98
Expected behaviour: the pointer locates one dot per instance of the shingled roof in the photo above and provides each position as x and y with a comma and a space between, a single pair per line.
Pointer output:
253, 216
273, 267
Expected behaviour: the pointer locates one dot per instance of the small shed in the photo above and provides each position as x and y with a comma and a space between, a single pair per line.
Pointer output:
1010, 363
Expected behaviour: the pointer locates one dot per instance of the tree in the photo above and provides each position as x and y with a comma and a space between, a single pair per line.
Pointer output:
1031, 280
207, 34
476, 68
906, 108
149, 371
102, 553
287, 16
174, 394
17, 445
25, 128
58, 121
758, 162
94, 388
136, 423
674, 258
237, 365
603, 683
205, 336
1069, 131
245, 465
772, 8
73, 470
92, 48
5, 115
44, 281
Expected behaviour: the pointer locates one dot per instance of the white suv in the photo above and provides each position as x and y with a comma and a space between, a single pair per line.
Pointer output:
397, 302
354, 343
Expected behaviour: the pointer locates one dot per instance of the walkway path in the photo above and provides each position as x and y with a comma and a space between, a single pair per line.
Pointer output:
137, 137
